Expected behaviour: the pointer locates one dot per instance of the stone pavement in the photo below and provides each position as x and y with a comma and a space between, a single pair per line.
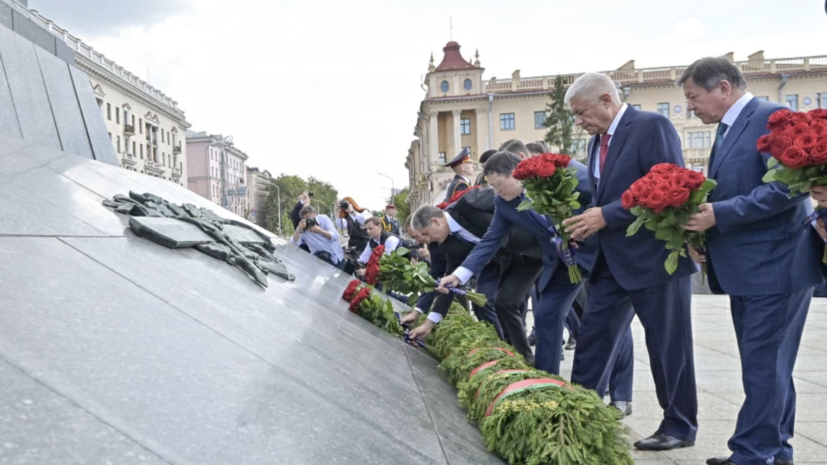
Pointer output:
719, 387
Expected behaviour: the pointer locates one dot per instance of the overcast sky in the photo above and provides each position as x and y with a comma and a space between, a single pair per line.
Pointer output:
331, 88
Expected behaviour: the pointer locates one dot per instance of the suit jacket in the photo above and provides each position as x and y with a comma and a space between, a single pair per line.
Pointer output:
458, 184
507, 217
759, 245
437, 271
390, 225
642, 140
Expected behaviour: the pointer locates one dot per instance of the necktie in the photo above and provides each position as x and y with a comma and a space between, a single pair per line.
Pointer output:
604, 150
719, 140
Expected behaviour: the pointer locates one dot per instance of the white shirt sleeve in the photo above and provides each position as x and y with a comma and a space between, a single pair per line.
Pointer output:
391, 244
328, 226
297, 244
435, 317
361, 217
365, 255
464, 274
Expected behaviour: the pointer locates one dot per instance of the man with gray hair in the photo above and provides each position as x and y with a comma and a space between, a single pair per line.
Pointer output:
628, 276
757, 252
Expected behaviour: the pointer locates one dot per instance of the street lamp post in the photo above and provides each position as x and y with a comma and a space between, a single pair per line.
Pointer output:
393, 189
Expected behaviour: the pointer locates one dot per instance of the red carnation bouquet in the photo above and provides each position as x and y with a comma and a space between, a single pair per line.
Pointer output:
663, 201
360, 296
550, 190
372, 268
454, 198
798, 144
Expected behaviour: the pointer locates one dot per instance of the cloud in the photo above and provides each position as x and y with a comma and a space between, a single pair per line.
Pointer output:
685, 31
104, 17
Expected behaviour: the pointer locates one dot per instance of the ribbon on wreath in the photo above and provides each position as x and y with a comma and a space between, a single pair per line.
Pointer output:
453, 290
408, 339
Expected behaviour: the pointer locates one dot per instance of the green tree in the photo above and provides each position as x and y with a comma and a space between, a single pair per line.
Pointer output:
403, 209
325, 196
290, 187
559, 119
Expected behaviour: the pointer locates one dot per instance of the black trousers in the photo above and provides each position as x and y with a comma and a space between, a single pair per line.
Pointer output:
519, 274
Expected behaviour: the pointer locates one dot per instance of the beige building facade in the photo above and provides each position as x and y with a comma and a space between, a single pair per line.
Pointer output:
217, 171
258, 187
147, 128
463, 109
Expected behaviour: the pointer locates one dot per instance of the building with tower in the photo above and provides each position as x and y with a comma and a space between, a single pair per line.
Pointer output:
464, 109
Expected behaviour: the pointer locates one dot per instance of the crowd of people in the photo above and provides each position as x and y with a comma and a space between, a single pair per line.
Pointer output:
757, 252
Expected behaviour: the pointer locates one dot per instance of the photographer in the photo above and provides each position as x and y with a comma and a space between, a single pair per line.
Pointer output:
295, 213
355, 217
318, 232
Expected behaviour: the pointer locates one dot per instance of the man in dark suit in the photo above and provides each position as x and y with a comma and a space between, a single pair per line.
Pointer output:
758, 253
629, 276
389, 223
461, 164
483, 159
556, 291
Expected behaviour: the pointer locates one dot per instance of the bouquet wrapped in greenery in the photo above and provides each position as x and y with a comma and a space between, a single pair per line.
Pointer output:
370, 306
397, 274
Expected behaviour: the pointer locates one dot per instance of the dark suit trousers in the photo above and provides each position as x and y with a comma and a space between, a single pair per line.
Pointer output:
515, 284
768, 330
549, 319
664, 311
488, 282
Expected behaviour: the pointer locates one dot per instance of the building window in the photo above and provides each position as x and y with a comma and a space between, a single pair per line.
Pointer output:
443, 86
792, 102
821, 100
441, 158
578, 147
762, 99
119, 141
635, 106
663, 109
134, 146
507, 122
133, 122
141, 125
109, 111
467, 84
699, 140
142, 151
465, 126
163, 159
162, 137
117, 115
539, 119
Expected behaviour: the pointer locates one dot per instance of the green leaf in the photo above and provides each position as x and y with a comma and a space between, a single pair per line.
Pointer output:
769, 176
663, 234
671, 263
401, 251
634, 227
524, 205
772, 163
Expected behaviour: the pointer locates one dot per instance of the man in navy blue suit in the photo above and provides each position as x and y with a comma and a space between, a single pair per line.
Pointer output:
556, 291
628, 276
757, 252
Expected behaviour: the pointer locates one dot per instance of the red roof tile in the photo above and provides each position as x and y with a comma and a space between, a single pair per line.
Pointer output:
453, 59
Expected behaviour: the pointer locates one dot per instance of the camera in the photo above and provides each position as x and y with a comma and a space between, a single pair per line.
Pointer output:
310, 194
344, 206
310, 223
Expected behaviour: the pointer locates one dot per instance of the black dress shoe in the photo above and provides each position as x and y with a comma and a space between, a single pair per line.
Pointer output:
783, 462
532, 338
624, 407
720, 461
660, 441
572, 344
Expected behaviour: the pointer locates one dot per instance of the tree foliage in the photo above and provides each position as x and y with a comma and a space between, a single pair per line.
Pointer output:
559, 119
290, 187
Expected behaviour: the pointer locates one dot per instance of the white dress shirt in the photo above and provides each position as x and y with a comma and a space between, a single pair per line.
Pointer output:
735, 111
457, 229
391, 243
610, 132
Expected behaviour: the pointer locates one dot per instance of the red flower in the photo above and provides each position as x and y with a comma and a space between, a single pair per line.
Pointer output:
628, 200
798, 129
807, 140
794, 158
358, 299
559, 161
546, 170
818, 113
800, 117
664, 168
351, 290
678, 197
779, 119
818, 155
764, 143
694, 179
640, 188
657, 200
819, 127
780, 144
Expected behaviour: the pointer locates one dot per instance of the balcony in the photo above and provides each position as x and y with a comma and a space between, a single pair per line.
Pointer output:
153, 167
176, 173
128, 130
695, 156
177, 149
129, 159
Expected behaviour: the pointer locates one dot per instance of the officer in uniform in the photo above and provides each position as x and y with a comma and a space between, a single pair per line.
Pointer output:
461, 164
389, 223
